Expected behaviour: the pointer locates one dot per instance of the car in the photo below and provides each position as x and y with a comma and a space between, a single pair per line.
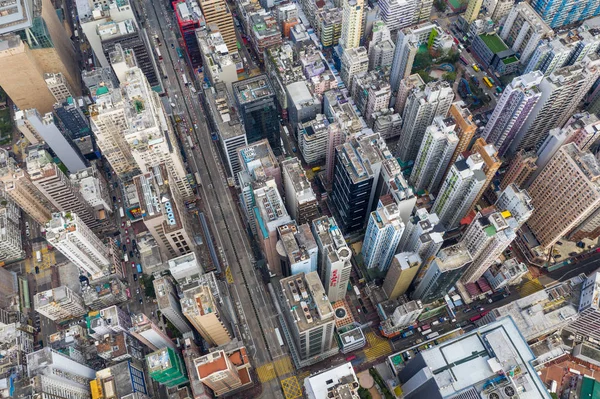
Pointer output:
126, 232
134, 243
132, 264
128, 240
172, 45
131, 254
123, 225
124, 248
114, 199
27, 224
481, 309
37, 270
137, 291
141, 301
135, 277
467, 310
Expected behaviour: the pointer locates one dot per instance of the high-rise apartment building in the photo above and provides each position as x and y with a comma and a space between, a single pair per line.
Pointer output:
491, 164
512, 110
521, 168
583, 129
257, 106
163, 212
166, 367
357, 171
355, 61
34, 43
401, 274
488, 235
149, 134
185, 268
190, 19
567, 186
561, 93
464, 127
168, 303
149, 333
18, 187
384, 230
310, 320
57, 187
352, 23
53, 374
217, 12
58, 86
442, 273
105, 291
204, 305
588, 322
225, 371
300, 198
424, 235
75, 126
435, 153
549, 55
11, 246
473, 8
461, 187
398, 14
334, 257
422, 106
557, 14
313, 139
405, 87
124, 380
381, 46
297, 249
67, 233
59, 304
523, 30
516, 201
269, 213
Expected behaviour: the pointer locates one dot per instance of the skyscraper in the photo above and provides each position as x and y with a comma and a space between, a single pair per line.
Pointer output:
169, 303
310, 327
441, 273
299, 196
567, 186
256, 103
58, 188
34, 43
166, 367
11, 246
355, 61
424, 235
334, 257
422, 106
523, 29
464, 127
337, 382
588, 322
491, 164
435, 152
59, 304
398, 14
401, 274
217, 12
564, 13
463, 183
204, 305
352, 23
384, 230
189, 19
297, 249
473, 8
561, 93
512, 110
516, 201
521, 168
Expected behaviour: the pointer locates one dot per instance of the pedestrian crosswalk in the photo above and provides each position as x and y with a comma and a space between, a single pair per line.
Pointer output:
378, 347
278, 368
283, 366
266, 372
530, 287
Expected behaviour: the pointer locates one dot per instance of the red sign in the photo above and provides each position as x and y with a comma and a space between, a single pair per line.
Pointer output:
334, 278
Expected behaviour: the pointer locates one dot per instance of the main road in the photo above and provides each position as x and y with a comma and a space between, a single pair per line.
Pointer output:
255, 308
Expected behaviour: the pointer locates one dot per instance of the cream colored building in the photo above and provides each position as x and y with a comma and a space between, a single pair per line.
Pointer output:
352, 23
47, 49
564, 194
18, 186
217, 12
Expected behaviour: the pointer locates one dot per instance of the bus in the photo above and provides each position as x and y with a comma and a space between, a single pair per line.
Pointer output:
185, 81
425, 332
121, 212
475, 67
164, 70
488, 82
158, 54
356, 291
197, 177
433, 335
463, 60
190, 142
179, 52
279, 336
139, 268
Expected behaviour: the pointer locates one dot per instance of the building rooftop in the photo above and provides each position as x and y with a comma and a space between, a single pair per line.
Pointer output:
307, 300
493, 358
331, 239
544, 311
252, 89
453, 257
297, 241
337, 383
297, 176
359, 154
256, 157
201, 296
224, 114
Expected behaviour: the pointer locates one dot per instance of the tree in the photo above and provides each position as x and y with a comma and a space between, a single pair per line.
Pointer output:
364, 394
440, 5
425, 76
148, 286
449, 77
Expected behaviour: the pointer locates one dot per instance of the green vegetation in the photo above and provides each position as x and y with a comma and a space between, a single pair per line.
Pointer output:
450, 77
494, 43
440, 5
148, 286
425, 76
379, 381
364, 394
510, 60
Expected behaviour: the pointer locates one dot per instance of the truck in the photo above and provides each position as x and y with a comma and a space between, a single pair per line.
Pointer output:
38, 255
407, 333
125, 257
121, 212
190, 142
425, 332
435, 323
433, 335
